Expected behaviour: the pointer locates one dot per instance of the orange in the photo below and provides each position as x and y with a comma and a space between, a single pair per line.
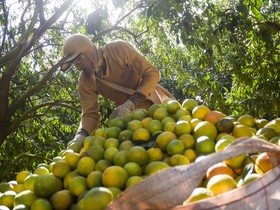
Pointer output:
241, 130
164, 138
112, 132
175, 146
188, 140
121, 158
141, 134
275, 124
94, 179
248, 120
205, 128
72, 159
155, 154
131, 181
194, 122
219, 168
173, 105
78, 185
20, 177
169, 126
248, 179
182, 127
160, 113
267, 132
190, 154
152, 109
139, 114
133, 169
189, 104
114, 176
41, 170
111, 142
117, 122
95, 152
19, 188
181, 113
221, 144
138, 155
110, 153
263, 163
221, 183
29, 182
68, 178
200, 111
187, 118
75, 146
95, 199
125, 135
214, 116
61, 200
260, 123
133, 125
101, 165
154, 167
178, 159
85, 165
126, 145
236, 162
199, 193
60, 169
167, 120
7, 199
204, 145
146, 121
115, 191
41, 204
225, 125
99, 132
26, 197
47, 184
154, 126
90, 141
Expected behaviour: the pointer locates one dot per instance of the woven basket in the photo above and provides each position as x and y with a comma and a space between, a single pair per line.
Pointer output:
169, 188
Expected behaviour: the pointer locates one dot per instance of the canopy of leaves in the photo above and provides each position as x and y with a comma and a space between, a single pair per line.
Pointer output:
224, 54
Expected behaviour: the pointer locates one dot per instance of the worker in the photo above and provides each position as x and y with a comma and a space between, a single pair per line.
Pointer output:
116, 71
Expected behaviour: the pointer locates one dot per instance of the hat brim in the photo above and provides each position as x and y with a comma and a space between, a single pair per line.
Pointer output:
69, 61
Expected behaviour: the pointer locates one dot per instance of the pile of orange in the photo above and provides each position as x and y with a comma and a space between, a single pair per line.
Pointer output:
90, 175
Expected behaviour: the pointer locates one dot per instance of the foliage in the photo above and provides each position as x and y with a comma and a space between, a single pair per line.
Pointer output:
223, 53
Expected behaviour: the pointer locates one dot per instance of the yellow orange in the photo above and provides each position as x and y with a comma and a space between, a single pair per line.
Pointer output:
78, 185
155, 154
248, 120
85, 165
214, 116
41, 204
60, 169
133, 169
94, 179
141, 134
219, 168
199, 193
20, 177
241, 130
154, 167
131, 181
189, 104
200, 111
205, 128
114, 176
154, 126
61, 200
221, 183
182, 127
138, 155
178, 159
164, 138
188, 140
173, 105
263, 163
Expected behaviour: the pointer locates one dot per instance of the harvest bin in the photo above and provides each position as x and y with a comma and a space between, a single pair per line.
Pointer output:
169, 188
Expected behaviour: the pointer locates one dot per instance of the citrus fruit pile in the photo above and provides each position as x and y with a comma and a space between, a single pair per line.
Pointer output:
90, 175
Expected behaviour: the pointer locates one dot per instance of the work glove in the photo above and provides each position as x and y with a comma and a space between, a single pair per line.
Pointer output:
79, 137
123, 110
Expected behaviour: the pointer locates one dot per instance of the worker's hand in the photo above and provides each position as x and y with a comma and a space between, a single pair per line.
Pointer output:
123, 110
79, 137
